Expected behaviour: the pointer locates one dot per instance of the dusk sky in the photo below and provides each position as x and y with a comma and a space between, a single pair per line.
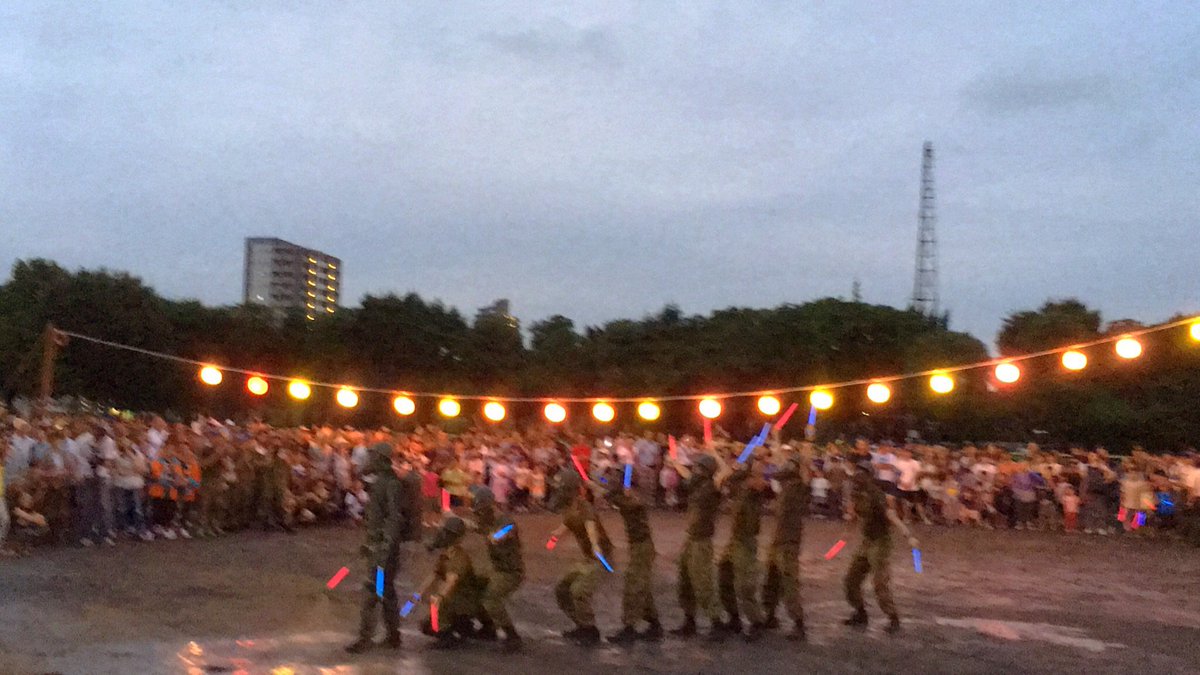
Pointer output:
602, 161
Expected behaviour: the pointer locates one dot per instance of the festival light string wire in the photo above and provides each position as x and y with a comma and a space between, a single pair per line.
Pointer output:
674, 397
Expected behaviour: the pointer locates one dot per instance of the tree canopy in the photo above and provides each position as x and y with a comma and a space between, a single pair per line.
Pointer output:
409, 343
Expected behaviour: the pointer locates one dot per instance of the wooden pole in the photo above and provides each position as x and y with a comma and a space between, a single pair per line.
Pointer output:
50, 347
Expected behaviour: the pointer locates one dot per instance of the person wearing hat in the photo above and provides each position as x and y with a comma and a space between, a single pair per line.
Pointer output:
696, 559
391, 520
453, 588
508, 566
574, 591
877, 514
737, 570
637, 600
783, 558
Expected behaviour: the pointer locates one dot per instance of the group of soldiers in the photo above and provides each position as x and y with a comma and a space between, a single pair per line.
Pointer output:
465, 604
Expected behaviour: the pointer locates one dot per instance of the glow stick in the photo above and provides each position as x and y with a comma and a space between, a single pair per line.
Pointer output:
628, 476
754, 443
812, 416
707, 431
604, 562
337, 578
1139, 519
551, 543
410, 605
917, 560
1121, 514
579, 468
379, 581
787, 415
501, 532
672, 451
433, 621
835, 549
445, 501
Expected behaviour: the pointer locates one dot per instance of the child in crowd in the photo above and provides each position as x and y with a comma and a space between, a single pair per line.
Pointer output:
819, 485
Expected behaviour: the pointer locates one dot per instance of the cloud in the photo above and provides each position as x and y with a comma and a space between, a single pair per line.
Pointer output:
558, 41
1012, 92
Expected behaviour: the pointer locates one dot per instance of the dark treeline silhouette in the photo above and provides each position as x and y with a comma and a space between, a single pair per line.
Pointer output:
408, 343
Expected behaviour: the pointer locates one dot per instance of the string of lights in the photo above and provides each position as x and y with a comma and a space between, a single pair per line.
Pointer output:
1005, 371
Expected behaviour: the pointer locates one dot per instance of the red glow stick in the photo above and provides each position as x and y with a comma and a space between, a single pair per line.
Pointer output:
337, 578
551, 543
579, 468
1121, 514
672, 451
787, 415
433, 621
835, 549
445, 501
707, 431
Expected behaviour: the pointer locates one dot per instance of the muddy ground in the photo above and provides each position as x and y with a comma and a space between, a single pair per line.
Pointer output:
987, 602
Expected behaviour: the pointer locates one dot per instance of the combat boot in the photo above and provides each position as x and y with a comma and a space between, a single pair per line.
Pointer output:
893, 626
772, 623
512, 641
392, 641
688, 629
653, 633
798, 634
486, 632
626, 635
587, 636
755, 633
359, 646
858, 618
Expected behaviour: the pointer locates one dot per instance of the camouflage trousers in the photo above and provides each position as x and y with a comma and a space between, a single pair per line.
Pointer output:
696, 579
500, 586
575, 590
637, 601
783, 581
737, 578
872, 557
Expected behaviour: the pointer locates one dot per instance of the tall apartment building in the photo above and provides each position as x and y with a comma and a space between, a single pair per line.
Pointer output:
283, 276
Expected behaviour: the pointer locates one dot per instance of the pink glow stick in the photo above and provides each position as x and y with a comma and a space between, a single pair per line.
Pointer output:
835, 549
337, 578
787, 415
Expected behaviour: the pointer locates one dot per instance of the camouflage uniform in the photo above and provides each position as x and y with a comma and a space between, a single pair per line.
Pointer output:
783, 560
508, 565
574, 591
873, 553
637, 601
696, 559
738, 567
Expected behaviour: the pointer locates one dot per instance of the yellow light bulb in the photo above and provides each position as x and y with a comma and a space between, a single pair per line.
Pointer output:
299, 390
211, 376
555, 412
347, 397
710, 408
879, 392
1074, 360
1128, 348
941, 383
257, 385
1007, 372
448, 407
493, 410
821, 399
768, 405
404, 405
603, 412
649, 411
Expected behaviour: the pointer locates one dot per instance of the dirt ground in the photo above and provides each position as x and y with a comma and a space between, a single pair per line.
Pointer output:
1008, 602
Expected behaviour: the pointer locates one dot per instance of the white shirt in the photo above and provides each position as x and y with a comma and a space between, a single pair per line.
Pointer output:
20, 454
882, 473
154, 441
79, 458
820, 487
909, 470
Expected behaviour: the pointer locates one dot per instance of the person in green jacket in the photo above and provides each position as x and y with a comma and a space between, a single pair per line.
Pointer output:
508, 566
393, 517
575, 590
637, 601
783, 558
696, 586
737, 570
873, 508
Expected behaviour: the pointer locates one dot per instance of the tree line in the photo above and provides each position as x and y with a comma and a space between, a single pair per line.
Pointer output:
410, 343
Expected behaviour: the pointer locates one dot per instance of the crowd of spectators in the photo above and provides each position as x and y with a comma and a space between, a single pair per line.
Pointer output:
96, 480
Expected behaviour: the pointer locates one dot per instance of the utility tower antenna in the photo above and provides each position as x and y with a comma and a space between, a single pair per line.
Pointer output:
925, 284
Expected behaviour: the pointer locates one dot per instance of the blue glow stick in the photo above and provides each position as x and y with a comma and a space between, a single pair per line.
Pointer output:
501, 532
410, 605
1141, 518
628, 476
812, 416
749, 449
379, 581
917, 560
600, 557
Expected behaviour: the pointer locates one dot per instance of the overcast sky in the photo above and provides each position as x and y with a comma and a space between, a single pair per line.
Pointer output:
602, 161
